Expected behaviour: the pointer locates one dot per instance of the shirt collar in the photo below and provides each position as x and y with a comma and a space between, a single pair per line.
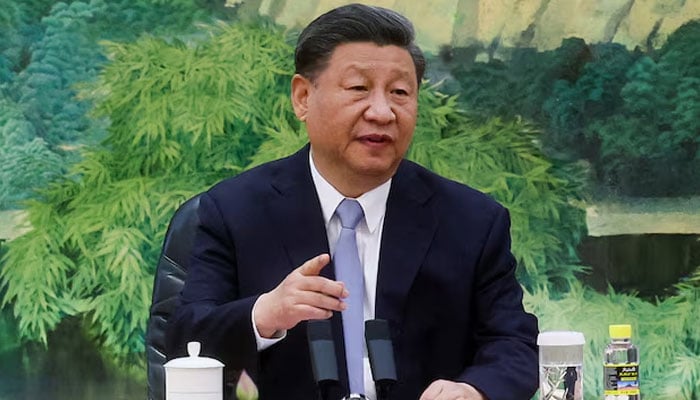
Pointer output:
373, 202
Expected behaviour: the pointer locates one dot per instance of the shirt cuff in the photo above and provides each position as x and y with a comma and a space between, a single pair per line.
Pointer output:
264, 343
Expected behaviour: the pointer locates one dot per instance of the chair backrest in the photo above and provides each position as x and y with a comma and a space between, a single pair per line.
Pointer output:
169, 280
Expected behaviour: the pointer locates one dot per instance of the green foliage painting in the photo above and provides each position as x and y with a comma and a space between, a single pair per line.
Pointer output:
106, 131
632, 115
46, 52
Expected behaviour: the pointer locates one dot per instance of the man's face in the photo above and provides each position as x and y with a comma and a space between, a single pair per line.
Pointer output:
360, 113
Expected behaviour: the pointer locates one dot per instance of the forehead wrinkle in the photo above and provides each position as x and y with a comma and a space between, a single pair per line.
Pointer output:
365, 68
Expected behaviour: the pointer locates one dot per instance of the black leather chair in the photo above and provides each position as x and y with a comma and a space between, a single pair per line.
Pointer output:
169, 280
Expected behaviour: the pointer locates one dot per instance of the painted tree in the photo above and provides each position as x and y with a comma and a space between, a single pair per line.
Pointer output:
182, 117
573, 105
680, 57
47, 51
685, 119
632, 116
9, 19
63, 57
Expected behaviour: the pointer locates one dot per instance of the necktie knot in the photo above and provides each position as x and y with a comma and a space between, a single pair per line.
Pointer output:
350, 213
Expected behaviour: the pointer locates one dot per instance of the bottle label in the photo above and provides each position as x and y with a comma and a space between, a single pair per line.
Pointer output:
621, 379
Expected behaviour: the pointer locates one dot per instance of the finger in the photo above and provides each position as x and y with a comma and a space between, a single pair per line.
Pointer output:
449, 390
325, 286
432, 392
322, 301
308, 313
314, 266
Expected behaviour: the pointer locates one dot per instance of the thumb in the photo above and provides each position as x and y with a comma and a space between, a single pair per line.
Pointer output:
314, 266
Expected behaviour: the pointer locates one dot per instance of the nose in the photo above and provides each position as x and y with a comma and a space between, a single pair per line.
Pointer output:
379, 109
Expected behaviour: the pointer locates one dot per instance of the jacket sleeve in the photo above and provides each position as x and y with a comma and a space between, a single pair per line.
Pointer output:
506, 361
211, 310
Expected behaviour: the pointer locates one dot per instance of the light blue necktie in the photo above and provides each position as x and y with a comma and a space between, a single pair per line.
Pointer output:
348, 269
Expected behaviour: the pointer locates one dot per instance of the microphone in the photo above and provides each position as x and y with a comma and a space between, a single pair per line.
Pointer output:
322, 351
381, 356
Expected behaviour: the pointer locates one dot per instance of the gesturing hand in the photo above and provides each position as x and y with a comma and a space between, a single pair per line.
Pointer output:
302, 295
448, 390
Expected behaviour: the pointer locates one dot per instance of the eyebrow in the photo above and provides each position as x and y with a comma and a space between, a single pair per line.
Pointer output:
363, 68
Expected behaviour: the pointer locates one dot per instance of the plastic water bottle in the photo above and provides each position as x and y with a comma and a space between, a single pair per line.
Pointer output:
621, 365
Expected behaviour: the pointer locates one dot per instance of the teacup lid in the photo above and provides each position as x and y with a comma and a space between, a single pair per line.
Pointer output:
194, 360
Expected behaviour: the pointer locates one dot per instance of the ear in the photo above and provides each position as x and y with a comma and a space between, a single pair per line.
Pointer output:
300, 95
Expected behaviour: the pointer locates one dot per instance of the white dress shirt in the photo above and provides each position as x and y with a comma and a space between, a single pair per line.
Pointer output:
368, 235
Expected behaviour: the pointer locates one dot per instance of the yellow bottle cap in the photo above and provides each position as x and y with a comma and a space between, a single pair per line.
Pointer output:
620, 331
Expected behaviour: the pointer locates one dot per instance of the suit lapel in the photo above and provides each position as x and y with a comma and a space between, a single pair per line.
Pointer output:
296, 212
298, 220
409, 226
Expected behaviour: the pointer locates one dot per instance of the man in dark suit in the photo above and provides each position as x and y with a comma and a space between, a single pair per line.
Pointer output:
435, 254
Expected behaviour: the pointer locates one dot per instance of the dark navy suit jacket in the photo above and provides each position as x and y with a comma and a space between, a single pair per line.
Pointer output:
446, 283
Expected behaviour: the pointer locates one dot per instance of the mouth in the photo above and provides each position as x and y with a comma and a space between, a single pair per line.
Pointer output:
376, 139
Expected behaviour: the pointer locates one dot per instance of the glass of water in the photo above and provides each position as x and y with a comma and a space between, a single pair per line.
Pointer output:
561, 365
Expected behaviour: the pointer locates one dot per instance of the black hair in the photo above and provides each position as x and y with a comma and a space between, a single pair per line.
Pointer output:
354, 23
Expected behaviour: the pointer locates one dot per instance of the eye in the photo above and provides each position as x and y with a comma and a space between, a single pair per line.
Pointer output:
358, 88
400, 92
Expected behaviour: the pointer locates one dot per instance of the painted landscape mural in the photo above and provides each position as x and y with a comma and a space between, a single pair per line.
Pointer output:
581, 116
